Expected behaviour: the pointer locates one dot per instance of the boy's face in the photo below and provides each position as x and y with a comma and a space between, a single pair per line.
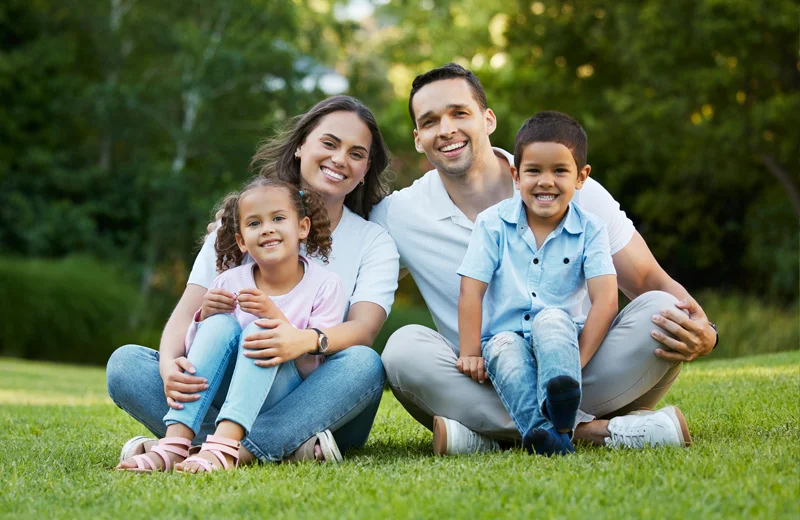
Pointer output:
451, 128
547, 180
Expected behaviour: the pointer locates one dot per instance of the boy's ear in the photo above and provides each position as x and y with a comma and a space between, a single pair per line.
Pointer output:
582, 176
515, 175
240, 243
305, 228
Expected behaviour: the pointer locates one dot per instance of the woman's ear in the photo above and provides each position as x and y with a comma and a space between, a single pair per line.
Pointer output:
305, 227
240, 243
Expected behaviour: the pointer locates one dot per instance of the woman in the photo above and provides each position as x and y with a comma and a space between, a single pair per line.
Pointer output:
336, 149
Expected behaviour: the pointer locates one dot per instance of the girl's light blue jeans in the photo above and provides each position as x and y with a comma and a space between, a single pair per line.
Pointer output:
520, 368
341, 395
251, 389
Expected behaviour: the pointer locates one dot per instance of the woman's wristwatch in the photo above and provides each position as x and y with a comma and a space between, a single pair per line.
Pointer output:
716, 342
322, 342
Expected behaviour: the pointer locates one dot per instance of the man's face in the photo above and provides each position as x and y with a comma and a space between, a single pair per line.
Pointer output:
451, 128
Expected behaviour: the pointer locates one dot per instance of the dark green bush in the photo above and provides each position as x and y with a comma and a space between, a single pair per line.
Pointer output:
77, 310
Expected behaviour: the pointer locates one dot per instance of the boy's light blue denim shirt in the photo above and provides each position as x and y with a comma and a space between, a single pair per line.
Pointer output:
522, 279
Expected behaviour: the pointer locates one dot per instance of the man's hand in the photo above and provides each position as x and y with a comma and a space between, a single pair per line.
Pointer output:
180, 387
472, 366
693, 334
278, 343
217, 301
258, 304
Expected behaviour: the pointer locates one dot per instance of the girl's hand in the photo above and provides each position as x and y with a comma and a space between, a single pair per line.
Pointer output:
179, 386
258, 304
217, 301
278, 343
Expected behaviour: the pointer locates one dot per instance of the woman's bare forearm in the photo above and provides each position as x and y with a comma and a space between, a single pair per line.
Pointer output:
172, 339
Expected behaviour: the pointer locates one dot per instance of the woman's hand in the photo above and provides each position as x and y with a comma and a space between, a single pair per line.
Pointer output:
217, 301
278, 343
258, 304
180, 387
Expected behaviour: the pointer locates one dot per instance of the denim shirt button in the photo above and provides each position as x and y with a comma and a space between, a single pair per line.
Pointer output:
566, 260
535, 260
527, 317
533, 294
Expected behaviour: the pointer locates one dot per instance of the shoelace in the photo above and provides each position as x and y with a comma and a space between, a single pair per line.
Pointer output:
633, 438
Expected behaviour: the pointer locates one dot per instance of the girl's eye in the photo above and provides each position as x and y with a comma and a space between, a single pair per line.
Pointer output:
357, 156
329, 144
279, 218
252, 223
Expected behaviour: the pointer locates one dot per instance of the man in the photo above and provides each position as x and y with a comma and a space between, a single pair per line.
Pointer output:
431, 222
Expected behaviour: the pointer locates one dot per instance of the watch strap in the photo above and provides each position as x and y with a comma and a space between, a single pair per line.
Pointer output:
716, 342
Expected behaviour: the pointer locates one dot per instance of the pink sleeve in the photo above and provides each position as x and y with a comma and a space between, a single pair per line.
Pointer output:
195, 324
329, 304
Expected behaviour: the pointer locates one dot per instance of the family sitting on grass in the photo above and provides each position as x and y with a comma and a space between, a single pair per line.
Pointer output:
267, 354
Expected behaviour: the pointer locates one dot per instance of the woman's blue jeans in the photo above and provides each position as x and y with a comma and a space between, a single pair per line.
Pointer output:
341, 395
250, 389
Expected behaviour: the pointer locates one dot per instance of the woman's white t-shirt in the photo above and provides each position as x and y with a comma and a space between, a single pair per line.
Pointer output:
363, 255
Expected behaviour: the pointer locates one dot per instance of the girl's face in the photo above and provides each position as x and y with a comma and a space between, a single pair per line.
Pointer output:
334, 158
269, 227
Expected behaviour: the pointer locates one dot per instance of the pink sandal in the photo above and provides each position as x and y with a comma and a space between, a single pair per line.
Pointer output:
145, 464
217, 445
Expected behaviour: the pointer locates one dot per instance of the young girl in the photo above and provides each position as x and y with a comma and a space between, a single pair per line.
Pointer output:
268, 220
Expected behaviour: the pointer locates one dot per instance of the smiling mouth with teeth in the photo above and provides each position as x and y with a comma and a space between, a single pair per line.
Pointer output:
454, 146
330, 173
271, 243
545, 196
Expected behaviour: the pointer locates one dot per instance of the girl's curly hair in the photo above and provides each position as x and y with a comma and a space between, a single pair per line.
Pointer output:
308, 204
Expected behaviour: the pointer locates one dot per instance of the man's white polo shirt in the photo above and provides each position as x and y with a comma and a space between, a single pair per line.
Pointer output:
432, 236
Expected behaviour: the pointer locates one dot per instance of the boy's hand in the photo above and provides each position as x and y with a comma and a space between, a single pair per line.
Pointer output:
472, 366
217, 301
258, 304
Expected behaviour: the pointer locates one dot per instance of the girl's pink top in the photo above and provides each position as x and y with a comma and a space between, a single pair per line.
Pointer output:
318, 301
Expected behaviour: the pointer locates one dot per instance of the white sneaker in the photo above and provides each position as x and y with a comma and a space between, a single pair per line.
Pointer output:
452, 438
664, 427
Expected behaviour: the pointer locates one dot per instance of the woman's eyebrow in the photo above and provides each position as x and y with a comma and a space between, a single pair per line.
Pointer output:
339, 141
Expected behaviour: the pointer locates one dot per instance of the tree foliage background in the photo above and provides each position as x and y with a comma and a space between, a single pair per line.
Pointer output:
122, 122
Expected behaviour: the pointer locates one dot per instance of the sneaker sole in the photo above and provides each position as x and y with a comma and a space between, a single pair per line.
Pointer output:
131, 447
439, 436
677, 417
329, 448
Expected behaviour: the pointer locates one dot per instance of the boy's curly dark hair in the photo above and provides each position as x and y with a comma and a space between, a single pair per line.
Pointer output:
309, 204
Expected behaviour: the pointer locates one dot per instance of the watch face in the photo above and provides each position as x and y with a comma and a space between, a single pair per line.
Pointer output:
323, 343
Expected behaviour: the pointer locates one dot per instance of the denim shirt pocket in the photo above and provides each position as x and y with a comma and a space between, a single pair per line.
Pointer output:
563, 274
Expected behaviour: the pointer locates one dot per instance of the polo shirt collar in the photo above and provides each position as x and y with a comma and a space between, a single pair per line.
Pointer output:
443, 206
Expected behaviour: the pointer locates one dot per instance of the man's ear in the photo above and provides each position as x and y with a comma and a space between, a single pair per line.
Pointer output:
240, 243
305, 228
582, 176
490, 120
515, 175
417, 144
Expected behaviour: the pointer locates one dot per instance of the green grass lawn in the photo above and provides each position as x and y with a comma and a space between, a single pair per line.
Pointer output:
60, 436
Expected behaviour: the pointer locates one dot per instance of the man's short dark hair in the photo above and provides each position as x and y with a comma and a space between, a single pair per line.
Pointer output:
449, 71
552, 127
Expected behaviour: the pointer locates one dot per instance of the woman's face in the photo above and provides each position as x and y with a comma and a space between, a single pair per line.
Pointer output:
335, 156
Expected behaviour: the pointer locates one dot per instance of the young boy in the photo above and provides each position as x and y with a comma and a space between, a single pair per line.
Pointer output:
536, 253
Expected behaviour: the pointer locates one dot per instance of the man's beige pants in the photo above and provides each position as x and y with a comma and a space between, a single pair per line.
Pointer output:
623, 375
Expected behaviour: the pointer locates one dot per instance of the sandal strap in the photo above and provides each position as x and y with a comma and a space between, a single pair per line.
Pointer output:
173, 449
219, 448
143, 462
176, 440
219, 439
161, 452
203, 463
